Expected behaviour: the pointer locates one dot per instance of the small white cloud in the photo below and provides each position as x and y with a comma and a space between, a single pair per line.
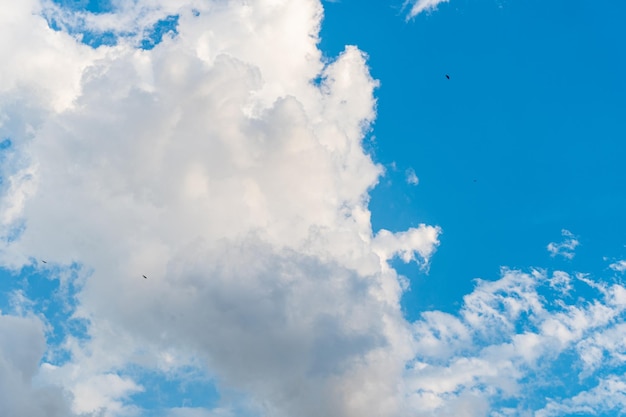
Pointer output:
419, 6
619, 266
561, 281
415, 244
566, 247
411, 177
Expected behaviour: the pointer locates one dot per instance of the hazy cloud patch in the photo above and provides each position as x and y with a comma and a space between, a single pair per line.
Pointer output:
411, 177
566, 248
619, 266
420, 6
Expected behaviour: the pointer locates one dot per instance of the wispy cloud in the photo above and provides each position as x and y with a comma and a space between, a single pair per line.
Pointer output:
565, 248
419, 6
411, 177
619, 266
508, 342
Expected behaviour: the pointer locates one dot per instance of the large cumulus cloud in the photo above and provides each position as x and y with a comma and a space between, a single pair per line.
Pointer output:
226, 165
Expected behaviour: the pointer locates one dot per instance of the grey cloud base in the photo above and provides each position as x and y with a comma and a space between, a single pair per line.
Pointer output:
22, 345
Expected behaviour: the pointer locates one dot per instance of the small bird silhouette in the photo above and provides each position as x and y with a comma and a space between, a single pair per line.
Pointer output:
145, 276
447, 76
44, 261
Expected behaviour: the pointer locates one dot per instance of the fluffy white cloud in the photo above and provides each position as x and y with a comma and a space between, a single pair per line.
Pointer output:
565, 248
214, 165
512, 339
419, 6
609, 396
37, 74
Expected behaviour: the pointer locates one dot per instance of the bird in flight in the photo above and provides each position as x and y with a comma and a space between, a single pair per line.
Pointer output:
44, 261
447, 76
145, 276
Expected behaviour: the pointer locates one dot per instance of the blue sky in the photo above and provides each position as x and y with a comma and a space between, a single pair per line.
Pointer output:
532, 112
234, 152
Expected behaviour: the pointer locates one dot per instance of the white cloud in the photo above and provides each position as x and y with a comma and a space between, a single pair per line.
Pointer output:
419, 6
511, 338
561, 281
216, 167
619, 266
412, 245
609, 395
37, 74
566, 247
411, 177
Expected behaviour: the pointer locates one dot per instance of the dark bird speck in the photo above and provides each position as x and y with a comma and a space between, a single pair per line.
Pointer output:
447, 76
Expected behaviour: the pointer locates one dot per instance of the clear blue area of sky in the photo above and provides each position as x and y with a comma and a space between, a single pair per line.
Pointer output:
93, 6
526, 138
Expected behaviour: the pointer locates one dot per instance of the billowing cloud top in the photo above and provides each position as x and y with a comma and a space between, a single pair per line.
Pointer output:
225, 165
